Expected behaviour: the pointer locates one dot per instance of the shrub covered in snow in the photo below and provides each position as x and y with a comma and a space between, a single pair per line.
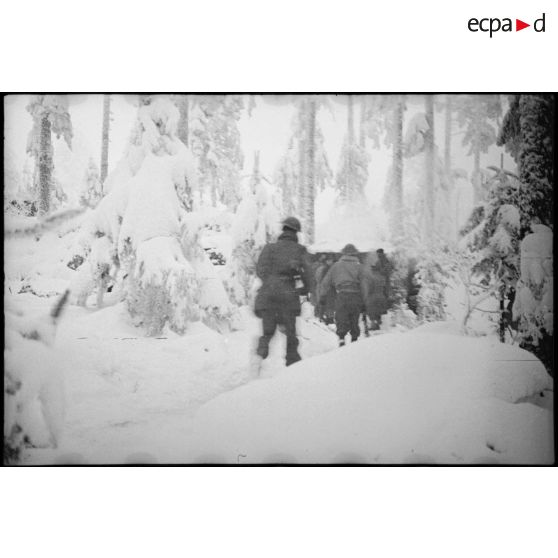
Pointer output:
92, 189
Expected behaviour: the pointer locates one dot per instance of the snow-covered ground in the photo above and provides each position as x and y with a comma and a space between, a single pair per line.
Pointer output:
429, 395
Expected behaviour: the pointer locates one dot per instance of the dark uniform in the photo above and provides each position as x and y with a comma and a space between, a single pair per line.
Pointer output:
376, 299
385, 267
347, 277
325, 300
277, 301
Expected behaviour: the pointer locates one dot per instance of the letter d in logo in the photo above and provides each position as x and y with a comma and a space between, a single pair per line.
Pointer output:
540, 21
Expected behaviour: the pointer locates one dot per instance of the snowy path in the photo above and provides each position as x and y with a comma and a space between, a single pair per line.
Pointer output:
445, 398
131, 398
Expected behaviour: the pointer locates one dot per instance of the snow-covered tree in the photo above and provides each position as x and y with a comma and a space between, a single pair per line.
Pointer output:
287, 181
396, 140
16, 199
352, 173
304, 170
488, 258
534, 303
50, 115
256, 222
143, 235
92, 190
479, 116
432, 278
183, 104
215, 140
314, 171
105, 138
528, 136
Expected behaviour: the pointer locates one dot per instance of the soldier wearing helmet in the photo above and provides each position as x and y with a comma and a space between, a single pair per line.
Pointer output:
348, 279
281, 266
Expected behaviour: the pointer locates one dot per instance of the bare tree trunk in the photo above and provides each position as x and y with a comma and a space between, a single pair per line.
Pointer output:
310, 165
429, 169
396, 185
256, 172
105, 138
477, 195
362, 131
45, 166
183, 103
350, 193
302, 174
476, 176
447, 147
398, 156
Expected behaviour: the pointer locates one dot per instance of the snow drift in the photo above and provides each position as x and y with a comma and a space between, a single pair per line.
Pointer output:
444, 399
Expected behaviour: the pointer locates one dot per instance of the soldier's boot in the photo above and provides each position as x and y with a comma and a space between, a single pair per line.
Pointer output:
263, 347
291, 359
292, 355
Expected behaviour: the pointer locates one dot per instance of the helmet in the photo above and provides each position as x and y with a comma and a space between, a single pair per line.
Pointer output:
292, 223
350, 250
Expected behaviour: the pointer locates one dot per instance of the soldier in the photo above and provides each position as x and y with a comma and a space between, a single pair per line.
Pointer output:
376, 301
348, 278
326, 311
284, 270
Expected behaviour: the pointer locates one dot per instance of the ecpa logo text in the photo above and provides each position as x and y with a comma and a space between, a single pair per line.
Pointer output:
494, 24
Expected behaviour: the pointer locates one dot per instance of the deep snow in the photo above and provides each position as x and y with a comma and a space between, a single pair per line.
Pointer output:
429, 395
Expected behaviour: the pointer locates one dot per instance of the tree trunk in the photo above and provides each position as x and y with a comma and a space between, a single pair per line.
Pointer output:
350, 193
398, 157
256, 172
45, 166
105, 138
302, 175
310, 165
362, 131
476, 176
183, 104
447, 147
429, 169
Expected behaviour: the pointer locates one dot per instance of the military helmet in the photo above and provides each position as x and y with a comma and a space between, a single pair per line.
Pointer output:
350, 250
292, 223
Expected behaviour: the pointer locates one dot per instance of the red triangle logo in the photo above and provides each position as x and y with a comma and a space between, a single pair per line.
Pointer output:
519, 25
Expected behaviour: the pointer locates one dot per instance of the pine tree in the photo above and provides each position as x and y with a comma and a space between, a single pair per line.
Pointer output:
384, 117
183, 104
105, 138
256, 223
488, 259
352, 174
143, 235
448, 113
304, 170
479, 115
527, 135
215, 140
429, 161
50, 115
92, 189
287, 181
